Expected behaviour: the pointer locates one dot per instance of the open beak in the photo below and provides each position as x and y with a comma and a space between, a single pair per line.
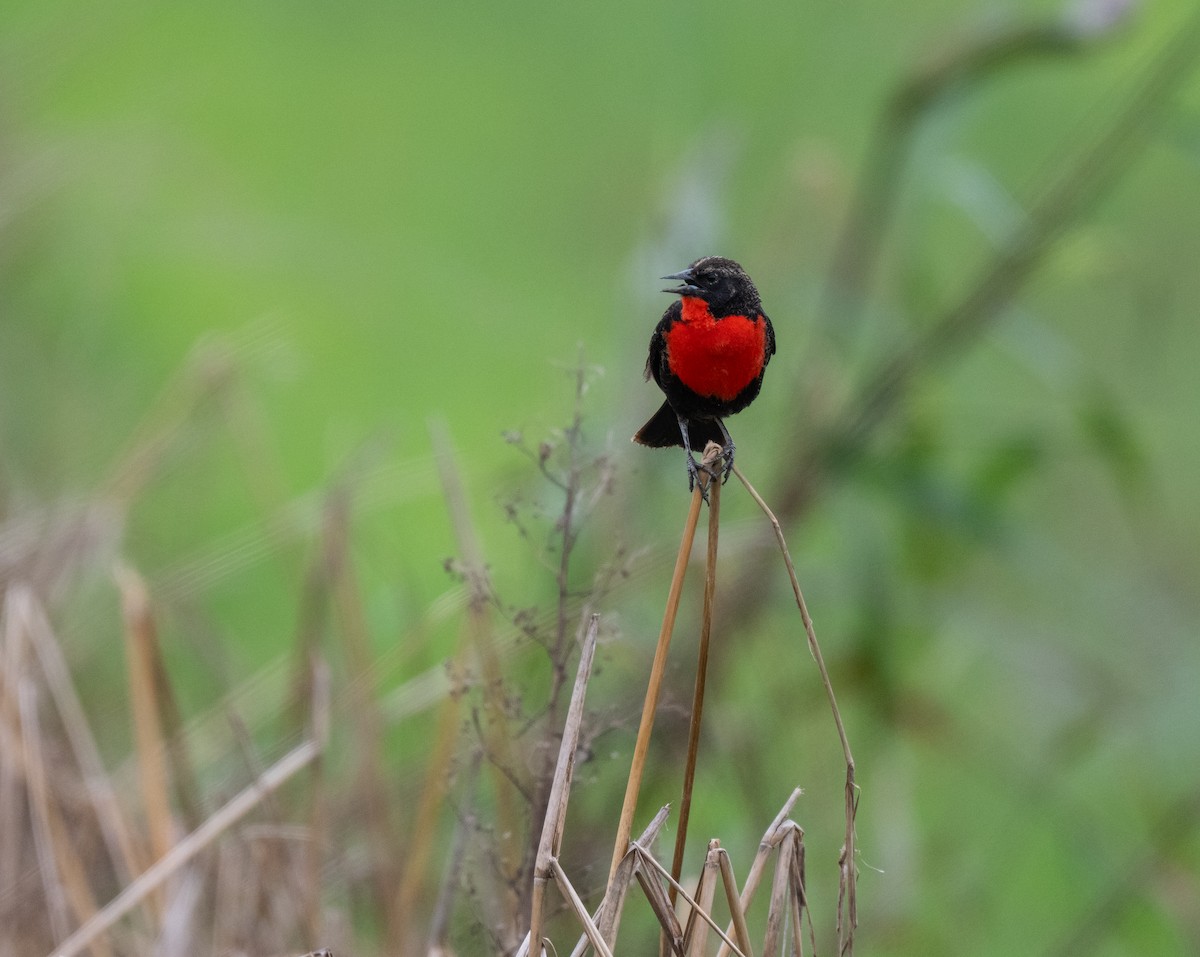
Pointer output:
686, 288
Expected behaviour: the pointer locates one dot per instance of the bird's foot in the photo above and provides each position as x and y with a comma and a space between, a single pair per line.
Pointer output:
693, 471
712, 471
727, 455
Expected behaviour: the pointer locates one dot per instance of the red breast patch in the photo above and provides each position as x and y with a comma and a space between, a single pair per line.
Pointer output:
715, 357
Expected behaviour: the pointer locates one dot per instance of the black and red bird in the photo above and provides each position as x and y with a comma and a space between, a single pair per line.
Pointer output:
708, 355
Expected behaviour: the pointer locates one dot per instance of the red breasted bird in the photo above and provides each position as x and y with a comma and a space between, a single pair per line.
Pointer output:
708, 355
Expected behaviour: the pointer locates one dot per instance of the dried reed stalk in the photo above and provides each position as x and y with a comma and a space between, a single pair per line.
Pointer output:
657, 669
203, 837
693, 745
25, 613
847, 909
560, 788
141, 648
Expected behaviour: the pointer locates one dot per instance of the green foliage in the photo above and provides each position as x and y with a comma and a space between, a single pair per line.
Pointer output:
247, 253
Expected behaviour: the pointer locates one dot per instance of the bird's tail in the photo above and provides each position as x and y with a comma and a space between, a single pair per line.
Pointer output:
662, 431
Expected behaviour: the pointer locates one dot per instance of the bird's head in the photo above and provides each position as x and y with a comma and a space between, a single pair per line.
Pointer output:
720, 282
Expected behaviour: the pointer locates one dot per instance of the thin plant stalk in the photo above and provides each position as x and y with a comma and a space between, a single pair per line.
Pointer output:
693, 746
141, 642
657, 669
560, 788
648, 858
847, 896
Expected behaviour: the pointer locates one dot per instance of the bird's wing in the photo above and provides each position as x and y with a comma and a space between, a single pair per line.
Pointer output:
770, 340
656, 361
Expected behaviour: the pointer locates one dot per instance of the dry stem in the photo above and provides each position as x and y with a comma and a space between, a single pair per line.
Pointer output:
203, 837
847, 896
654, 686
560, 788
710, 588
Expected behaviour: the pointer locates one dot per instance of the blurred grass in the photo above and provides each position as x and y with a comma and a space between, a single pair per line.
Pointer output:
415, 211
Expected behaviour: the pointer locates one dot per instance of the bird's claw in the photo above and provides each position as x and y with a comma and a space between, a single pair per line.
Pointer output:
694, 469
727, 455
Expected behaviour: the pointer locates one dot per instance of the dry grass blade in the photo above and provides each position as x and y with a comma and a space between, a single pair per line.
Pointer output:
23, 611
433, 793
40, 810
560, 788
696, 933
777, 911
733, 900
369, 783
589, 926
660, 905
64, 875
770, 840
608, 914
646, 857
847, 910
141, 649
798, 898
12, 772
203, 837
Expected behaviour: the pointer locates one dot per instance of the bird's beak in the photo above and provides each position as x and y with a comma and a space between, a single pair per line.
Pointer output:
686, 289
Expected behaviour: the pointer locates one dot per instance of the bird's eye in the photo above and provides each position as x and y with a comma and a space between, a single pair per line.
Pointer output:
705, 279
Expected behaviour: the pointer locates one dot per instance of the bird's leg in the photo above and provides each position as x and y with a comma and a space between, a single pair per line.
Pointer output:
728, 450
693, 468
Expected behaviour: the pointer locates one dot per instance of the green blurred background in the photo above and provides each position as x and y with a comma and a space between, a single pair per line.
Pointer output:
361, 219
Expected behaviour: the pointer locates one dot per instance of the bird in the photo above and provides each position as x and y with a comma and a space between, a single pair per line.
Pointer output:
708, 354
